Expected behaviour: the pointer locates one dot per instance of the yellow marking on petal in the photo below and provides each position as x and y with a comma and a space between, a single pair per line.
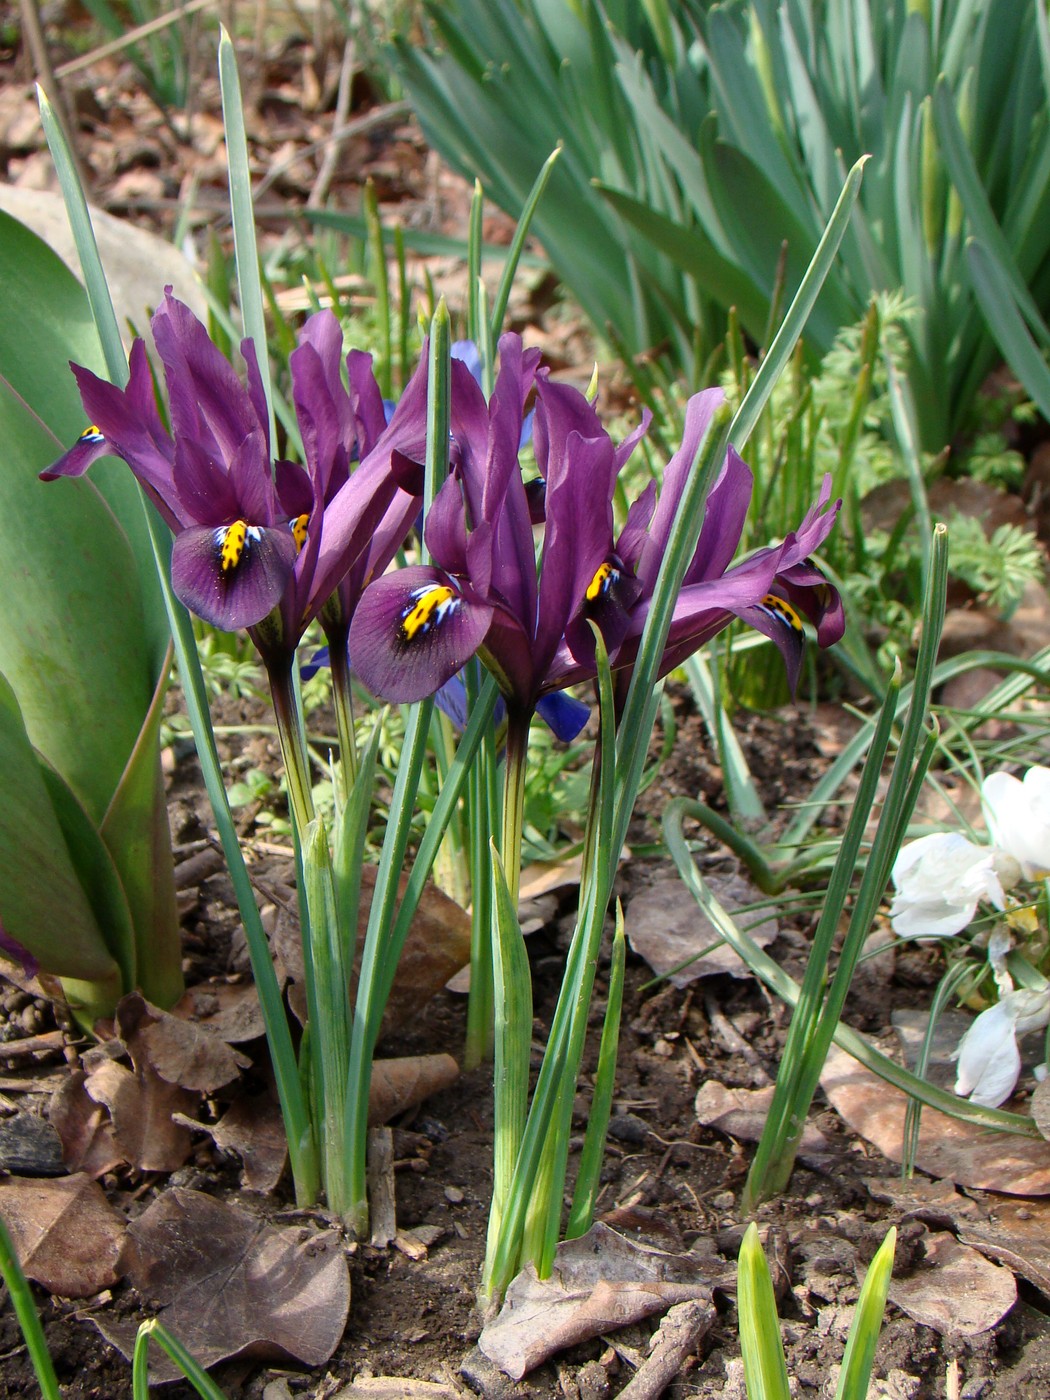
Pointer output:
427, 608
782, 609
92, 433
604, 578
233, 545
299, 530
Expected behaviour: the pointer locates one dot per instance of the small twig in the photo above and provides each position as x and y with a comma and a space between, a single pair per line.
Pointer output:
319, 193
678, 1337
734, 1041
45, 74
382, 1192
141, 31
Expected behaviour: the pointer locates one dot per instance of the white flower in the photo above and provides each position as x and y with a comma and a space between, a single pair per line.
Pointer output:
1018, 816
989, 1060
940, 880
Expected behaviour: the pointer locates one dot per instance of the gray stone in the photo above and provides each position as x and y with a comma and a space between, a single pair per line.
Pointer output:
138, 264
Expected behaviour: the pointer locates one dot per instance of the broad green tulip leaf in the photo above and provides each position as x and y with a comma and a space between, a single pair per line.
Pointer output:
42, 902
45, 321
135, 830
72, 638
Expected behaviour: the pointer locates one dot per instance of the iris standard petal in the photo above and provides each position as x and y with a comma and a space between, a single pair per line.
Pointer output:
412, 631
724, 517
232, 575
565, 715
207, 400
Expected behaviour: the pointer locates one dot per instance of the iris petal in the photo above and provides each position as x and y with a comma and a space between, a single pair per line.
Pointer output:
233, 575
412, 631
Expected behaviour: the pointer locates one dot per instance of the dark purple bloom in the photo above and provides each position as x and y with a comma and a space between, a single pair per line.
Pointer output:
251, 536
414, 629
771, 590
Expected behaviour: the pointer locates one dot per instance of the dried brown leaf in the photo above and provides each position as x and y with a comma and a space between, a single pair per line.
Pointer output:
666, 927
400, 1084
1017, 1233
85, 1128
141, 1105
187, 1054
963, 1152
956, 1291
253, 1128
437, 946
742, 1113
599, 1283
66, 1234
229, 1010
230, 1285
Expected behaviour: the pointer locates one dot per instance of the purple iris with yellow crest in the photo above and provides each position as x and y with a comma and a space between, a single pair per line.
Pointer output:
259, 541
521, 570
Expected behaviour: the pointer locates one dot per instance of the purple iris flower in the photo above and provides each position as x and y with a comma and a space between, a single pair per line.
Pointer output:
414, 629
771, 590
251, 537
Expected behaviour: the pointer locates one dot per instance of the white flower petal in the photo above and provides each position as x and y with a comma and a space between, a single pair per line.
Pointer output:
939, 881
1018, 816
989, 1060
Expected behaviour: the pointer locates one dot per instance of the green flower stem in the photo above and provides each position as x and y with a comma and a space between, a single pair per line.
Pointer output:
293, 746
482, 807
343, 700
518, 723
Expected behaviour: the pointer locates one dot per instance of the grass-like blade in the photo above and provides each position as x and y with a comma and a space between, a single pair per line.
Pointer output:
1007, 324
588, 1176
791, 327
517, 244
785, 987
867, 1323
301, 1148
765, 1370
249, 283
182, 1357
28, 1318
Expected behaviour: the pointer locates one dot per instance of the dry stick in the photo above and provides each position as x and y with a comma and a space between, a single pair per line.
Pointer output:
347, 67
382, 1193
141, 31
46, 78
679, 1336
391, 112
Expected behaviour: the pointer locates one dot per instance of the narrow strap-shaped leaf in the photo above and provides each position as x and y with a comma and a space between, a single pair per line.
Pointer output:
249, 283
791, 328
28, 1318
867, 1323
765, 1369
1006, 324
983, 224
785, 987
182, 1357
517, 243
592, 1154
512, 1005
301, 1147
